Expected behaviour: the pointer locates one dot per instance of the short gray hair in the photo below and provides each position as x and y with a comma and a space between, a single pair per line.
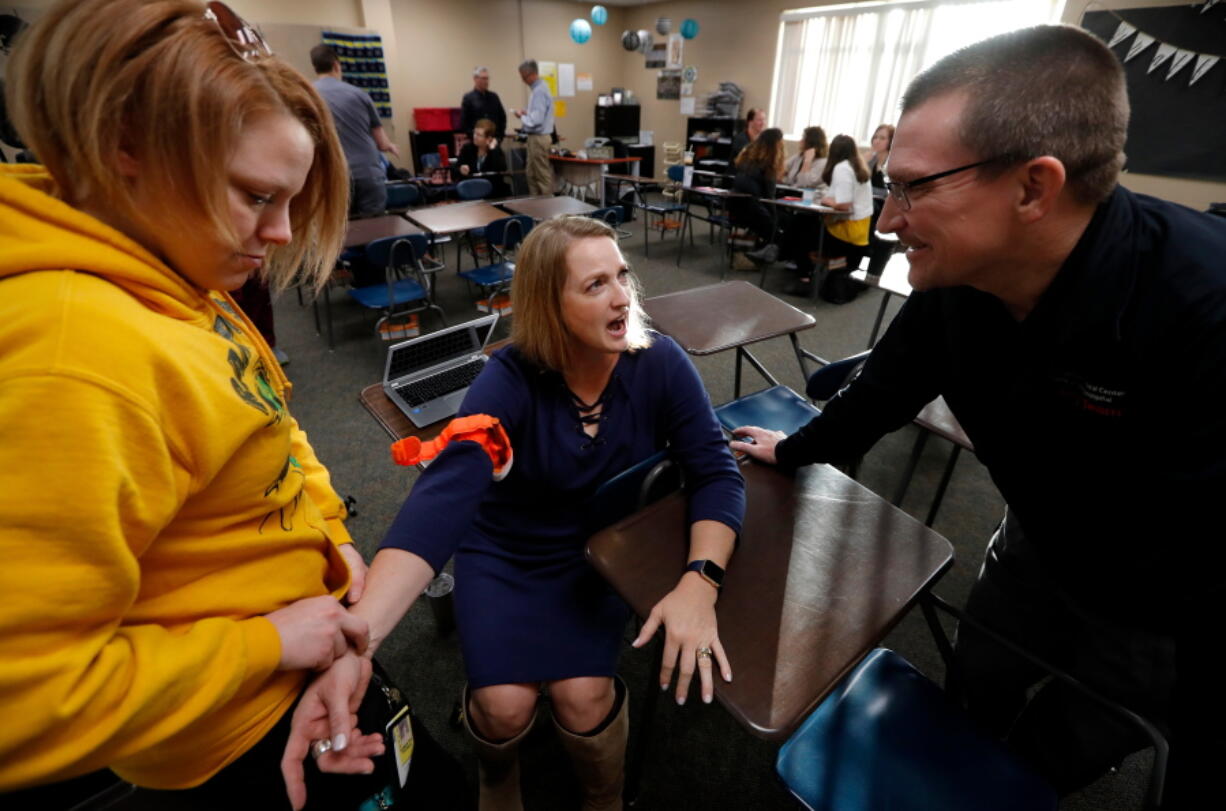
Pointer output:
1047, 90
529, 66
477, 71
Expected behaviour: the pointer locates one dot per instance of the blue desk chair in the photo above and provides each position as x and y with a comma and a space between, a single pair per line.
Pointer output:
614, 216
402, 196
502, 236
405, 290
888, 738
668, 215
476, 188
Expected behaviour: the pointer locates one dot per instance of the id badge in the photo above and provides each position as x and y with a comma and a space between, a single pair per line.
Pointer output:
400, 731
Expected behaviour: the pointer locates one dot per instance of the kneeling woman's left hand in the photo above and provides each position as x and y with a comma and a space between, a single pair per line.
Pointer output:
691, 638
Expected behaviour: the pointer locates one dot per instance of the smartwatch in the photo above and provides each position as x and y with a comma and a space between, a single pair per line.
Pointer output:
708, 571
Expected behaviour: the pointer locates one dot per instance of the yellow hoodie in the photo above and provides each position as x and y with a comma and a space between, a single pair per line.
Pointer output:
157, 500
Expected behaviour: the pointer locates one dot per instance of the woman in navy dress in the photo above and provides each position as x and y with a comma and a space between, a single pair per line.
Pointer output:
584, 392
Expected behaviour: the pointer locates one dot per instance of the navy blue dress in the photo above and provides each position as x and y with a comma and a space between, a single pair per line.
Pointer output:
529, 608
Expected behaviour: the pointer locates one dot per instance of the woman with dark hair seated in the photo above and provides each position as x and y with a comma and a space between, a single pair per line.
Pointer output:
758, 169
584, 391
846, 232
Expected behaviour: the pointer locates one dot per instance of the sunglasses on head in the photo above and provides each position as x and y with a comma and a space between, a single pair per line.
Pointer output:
242, 37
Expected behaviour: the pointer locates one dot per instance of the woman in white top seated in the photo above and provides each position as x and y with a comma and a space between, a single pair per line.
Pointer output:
804, 169
850, 194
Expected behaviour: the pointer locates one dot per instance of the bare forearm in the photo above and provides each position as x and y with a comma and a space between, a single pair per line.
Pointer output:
381, 140
713, 541
394, 581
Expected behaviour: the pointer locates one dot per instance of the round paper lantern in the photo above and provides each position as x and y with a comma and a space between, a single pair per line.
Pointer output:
600, 15
644, 40
663, 26
689, 29
580, 30
630, 40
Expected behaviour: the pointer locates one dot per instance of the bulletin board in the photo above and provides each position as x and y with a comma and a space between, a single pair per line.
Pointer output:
1176, 73
362, 65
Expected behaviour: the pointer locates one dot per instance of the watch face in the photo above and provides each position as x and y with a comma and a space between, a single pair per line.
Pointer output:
712, 572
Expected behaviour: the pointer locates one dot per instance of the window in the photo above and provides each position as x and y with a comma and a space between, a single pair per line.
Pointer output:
844, 68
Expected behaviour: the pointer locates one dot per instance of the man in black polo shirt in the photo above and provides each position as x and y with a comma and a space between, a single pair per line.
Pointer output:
1078, 333
481, 102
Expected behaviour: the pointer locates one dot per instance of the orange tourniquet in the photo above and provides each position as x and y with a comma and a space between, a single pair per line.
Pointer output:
483, 429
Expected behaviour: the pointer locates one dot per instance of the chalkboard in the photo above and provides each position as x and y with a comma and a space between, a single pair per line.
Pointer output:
1176, 130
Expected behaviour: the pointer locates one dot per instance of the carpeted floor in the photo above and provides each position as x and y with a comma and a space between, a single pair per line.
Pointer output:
701, 758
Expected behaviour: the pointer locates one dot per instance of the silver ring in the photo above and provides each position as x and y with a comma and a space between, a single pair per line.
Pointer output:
704, 653
321, 747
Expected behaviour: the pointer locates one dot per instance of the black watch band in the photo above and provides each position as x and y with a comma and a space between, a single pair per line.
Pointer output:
711, 572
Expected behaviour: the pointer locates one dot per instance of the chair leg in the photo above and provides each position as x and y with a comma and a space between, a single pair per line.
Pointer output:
917, 450
945, 477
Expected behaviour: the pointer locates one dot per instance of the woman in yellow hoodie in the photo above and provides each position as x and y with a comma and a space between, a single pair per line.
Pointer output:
173, 552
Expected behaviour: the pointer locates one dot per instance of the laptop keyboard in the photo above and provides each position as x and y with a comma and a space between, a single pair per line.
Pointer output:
445, 382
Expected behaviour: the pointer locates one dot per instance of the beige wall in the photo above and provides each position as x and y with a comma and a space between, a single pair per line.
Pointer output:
432, 47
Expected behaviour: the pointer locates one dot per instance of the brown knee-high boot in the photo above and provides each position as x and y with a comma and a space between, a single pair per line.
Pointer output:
497, 766
600, 755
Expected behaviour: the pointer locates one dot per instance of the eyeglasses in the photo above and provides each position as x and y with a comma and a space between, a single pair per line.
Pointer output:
898, 189
241, 36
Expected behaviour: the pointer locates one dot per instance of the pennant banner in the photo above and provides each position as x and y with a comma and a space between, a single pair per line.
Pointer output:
1139, 44
1122, 33
1203, 63
1164, 53
1180, 59
1208, 5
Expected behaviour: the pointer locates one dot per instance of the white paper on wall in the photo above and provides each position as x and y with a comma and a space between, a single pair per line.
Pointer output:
1164, 53
1122, 33
1203, 63
1139, 44
566, 79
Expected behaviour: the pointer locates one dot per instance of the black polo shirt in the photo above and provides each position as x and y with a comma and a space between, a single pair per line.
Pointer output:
1101, 416
476, 106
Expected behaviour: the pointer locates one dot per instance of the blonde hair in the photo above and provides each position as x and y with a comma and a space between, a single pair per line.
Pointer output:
540, 274
154, 78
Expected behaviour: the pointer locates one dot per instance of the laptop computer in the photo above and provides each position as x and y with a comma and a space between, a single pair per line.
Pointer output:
427, 376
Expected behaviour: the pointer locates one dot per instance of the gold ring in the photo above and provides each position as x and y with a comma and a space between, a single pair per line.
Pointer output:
321, 747
704, 653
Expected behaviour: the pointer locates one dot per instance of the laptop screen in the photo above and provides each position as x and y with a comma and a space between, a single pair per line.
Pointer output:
431, 350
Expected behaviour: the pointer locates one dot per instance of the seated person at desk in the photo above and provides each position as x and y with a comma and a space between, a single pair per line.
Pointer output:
846, 232
174, 554
482, 154
1077, 332
883, 139
584, 392
804, 169
755, 124
758, 169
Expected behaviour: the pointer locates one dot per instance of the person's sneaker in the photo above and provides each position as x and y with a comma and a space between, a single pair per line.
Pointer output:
281, 357
764, 255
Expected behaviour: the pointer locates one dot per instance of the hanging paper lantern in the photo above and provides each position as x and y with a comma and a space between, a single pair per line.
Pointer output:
580, 30
630, 40
663, 26
689, 29
600, 15
644, 40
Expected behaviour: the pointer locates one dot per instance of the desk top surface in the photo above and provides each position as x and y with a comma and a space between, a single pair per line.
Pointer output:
594, 161
542, 208
711, 191
368, 230
823, 570
800, 205
893, 278
632, 178
449, 219
718, 317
